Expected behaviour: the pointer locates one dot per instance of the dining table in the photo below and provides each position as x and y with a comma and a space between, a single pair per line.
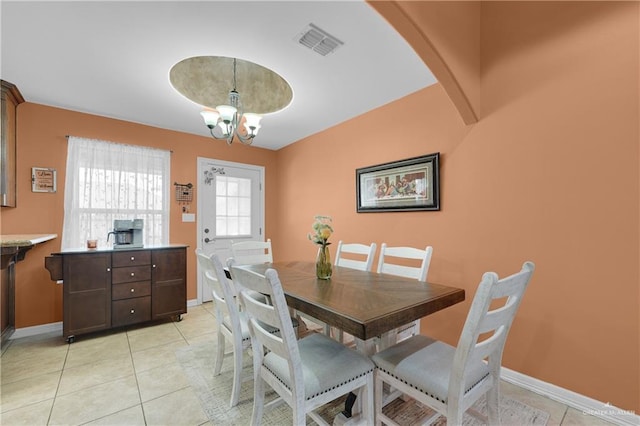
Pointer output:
368, 305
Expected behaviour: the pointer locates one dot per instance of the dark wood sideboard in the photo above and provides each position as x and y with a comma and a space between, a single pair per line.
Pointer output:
104, 289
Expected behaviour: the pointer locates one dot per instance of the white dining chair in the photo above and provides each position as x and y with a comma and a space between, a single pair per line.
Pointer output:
252, 252
230, 321
451, 379
391, 261
305, 373
359, 256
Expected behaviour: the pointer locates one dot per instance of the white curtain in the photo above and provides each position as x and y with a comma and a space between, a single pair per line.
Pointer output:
106, 181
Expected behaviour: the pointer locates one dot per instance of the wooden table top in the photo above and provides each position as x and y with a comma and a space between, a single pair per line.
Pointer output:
363, 304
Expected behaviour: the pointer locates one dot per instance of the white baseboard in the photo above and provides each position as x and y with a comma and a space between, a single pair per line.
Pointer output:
191, 303
575, 400
54, 327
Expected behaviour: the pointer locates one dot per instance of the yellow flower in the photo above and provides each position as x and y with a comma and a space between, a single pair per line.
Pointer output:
325, 233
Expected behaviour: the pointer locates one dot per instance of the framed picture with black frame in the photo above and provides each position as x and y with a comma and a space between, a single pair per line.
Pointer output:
405, 185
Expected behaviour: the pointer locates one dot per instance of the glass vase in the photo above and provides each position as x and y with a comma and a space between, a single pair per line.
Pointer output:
323, 263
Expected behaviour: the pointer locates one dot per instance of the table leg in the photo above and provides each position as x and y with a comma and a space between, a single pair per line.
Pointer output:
388, 339
353, 405
366, 347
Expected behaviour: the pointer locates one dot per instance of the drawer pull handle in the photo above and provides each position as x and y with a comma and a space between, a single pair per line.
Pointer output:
154, 266
133, 258
133, 290
133, 311
108, 269
133, 274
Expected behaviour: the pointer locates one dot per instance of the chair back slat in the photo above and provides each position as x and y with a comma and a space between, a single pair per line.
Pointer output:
485, 348
498, 317
252, 252
411, 253
363, 255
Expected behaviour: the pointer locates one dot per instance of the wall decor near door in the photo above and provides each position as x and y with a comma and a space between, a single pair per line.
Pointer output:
184, 192
43, 179
405, 185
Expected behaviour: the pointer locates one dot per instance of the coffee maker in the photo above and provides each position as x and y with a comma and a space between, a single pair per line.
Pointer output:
127, 233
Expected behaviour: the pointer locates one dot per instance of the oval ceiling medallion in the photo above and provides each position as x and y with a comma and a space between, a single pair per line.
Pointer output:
207, 80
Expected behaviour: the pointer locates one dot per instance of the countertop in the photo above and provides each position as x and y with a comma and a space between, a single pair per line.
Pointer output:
110, 249
23, 240
15, 246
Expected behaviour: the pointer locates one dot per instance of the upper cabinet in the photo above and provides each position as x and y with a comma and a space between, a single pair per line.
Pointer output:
11, 98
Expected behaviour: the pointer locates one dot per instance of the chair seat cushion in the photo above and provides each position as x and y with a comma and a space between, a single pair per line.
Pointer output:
326, 364
425, 364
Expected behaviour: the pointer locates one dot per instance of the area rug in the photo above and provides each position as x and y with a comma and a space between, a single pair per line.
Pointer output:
214, 392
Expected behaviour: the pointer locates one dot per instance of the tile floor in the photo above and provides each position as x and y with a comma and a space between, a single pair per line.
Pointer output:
132, 377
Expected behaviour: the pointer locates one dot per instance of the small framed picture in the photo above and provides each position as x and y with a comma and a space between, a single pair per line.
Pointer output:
406, 185
43, 179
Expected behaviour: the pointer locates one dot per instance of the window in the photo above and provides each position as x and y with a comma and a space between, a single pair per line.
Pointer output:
107, 181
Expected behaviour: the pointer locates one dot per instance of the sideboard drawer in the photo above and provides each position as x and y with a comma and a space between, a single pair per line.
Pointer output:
129, 290
130, 274
131, 258
130, 311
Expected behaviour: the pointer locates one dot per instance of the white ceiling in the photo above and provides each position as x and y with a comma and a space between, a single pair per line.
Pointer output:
113, 58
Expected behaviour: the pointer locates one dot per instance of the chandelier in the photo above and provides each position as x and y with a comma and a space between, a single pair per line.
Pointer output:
212, 82
226, 118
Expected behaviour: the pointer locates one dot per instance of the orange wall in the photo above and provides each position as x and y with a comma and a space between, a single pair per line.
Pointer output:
550, 173
41, 142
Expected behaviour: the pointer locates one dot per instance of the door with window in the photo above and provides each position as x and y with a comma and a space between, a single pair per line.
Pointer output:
230, 208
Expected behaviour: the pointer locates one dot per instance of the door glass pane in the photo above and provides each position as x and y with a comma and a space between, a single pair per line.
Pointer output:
244, 206
232, 226
232, 206
232, 187
221, 186
221, 206
244, 189
244, 225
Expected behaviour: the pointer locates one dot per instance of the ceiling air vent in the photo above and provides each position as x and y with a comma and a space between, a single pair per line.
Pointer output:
318, 40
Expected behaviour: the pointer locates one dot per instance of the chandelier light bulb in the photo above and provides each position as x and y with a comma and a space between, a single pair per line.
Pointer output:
210, 117
252, 123
227, 112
